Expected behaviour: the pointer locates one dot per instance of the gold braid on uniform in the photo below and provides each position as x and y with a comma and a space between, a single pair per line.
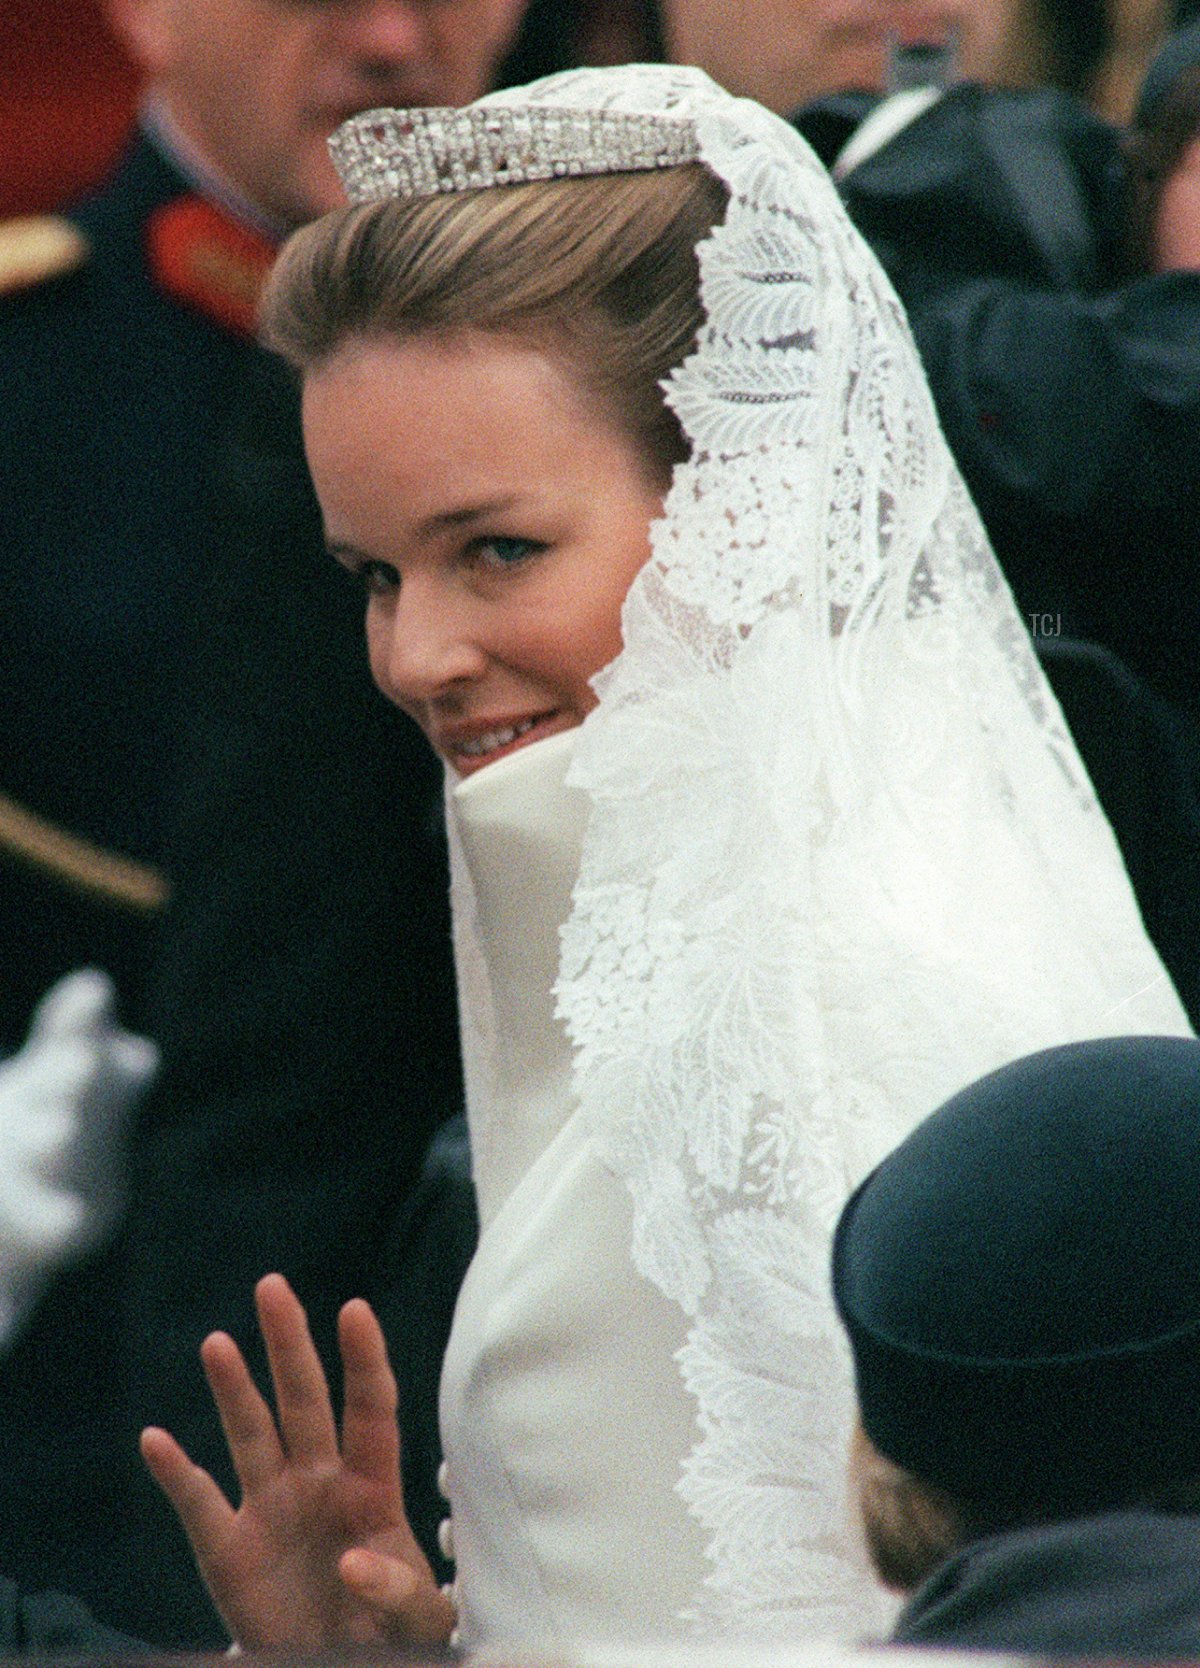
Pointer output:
79, 863
36, 248
33, 250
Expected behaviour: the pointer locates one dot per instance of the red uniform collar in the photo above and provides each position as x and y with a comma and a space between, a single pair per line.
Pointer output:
203, 257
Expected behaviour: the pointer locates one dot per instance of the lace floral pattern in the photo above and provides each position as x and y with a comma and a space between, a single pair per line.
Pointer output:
842, 856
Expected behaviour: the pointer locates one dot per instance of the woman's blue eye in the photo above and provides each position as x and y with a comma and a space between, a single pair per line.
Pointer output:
504, 552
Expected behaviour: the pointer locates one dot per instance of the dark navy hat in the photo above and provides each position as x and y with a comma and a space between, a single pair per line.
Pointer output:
1180, 53
1020, 1281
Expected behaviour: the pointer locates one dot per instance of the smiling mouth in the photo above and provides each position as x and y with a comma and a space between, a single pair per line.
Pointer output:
492, 740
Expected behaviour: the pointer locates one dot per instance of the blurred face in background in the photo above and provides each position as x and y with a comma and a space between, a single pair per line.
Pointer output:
1176, 246
786, 52
257, 86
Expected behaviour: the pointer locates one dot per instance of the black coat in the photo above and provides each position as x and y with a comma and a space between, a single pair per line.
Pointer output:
113, 398
299, 982
52, 1624
1069, 390
1121, 1586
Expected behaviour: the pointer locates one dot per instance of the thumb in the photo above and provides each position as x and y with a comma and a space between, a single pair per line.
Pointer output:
79, 1005
408, 1607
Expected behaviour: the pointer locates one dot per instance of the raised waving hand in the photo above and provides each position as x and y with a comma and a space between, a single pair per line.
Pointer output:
319, 1552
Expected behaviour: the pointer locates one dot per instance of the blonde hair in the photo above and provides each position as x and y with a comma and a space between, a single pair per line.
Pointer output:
602, 270
911, 1526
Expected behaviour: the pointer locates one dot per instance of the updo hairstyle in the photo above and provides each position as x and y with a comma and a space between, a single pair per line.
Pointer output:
601, 270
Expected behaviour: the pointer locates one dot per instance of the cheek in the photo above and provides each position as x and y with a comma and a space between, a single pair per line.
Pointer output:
596, 638
612, 566
997, 37
310, 177
1177, 228
378, 635
560, 652
494, 25
468, 44
292, 79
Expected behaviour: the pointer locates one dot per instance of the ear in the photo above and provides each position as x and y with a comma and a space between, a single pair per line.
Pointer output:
146, 29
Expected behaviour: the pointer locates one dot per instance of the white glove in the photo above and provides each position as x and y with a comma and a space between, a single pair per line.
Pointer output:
64, 1101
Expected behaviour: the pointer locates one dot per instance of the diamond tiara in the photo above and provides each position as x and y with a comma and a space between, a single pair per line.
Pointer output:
419, 153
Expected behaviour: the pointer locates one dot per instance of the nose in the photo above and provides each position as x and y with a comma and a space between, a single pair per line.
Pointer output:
424, 647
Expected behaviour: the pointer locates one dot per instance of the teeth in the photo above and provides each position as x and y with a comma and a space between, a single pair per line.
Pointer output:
491, 739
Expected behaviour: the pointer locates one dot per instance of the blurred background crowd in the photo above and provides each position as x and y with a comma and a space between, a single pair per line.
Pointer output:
71, 88
201, 795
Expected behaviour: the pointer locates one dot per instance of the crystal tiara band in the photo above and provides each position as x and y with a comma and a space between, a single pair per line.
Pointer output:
419, 153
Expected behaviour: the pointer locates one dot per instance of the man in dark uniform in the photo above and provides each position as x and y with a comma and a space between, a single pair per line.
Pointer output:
128, 336
114, 393
200, 791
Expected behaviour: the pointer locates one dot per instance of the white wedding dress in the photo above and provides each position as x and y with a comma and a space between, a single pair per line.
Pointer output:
565, 1420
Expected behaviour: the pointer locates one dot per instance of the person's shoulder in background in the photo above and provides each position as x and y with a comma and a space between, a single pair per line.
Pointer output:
979, 182
54, 1623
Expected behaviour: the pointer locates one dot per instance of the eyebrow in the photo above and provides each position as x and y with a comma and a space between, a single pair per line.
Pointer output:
444, 520
466, 515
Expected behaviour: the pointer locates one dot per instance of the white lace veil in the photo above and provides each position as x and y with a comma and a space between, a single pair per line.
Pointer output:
842, 855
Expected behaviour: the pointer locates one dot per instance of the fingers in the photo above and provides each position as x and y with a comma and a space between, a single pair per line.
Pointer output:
249, 1427
409, 1607
370, 1433
206, 1515
306, 1421
80, 1004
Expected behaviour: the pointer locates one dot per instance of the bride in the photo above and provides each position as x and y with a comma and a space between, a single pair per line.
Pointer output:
767, 837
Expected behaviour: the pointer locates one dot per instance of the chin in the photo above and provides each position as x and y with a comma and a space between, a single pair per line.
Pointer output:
311, 191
